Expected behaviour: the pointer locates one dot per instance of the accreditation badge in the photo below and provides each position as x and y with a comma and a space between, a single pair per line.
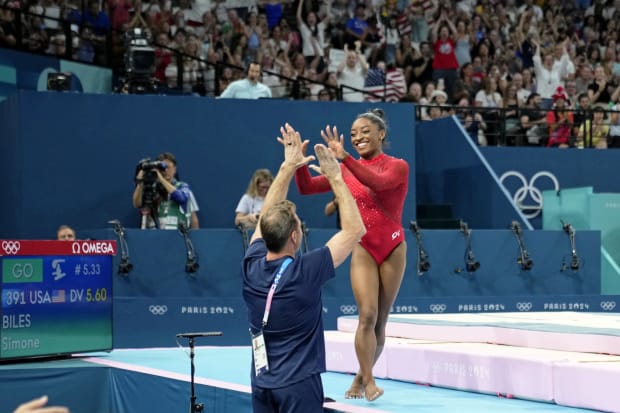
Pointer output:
261, 365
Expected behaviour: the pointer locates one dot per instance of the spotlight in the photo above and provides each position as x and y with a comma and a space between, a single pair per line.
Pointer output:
191, 265
471, 265
124, 267
423, 262
524, 259
575, 262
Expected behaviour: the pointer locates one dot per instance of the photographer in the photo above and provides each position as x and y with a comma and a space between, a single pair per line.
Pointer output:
163, 199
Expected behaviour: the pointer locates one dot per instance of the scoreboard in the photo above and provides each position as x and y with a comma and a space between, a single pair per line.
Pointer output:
56, 297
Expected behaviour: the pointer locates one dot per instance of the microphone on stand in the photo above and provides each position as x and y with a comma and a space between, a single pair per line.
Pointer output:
194, 335
194, 406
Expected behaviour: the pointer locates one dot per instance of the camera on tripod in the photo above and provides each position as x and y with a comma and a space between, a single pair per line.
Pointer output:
152, 189
139, 63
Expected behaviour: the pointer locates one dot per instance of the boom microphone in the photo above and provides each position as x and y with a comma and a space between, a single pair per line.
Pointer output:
194, 335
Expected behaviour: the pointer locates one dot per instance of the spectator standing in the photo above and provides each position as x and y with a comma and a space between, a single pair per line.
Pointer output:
352, 72
312, 32
445, 63
526, 30
282, 290
548, 75
464, 40
274, 10
421, 17
248, 88
356, 27
563, 64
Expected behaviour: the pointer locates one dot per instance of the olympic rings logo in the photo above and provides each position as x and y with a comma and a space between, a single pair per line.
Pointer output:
437, 308
11, 247
524, 306
158, 309
608, 305
529, 189
348, 309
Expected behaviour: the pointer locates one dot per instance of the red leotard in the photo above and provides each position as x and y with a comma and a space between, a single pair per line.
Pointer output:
379, 187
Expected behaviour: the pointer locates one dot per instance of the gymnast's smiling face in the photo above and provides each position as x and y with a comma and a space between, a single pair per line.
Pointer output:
367, 138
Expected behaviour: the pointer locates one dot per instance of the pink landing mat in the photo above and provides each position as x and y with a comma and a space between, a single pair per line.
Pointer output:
569, 331
551, 357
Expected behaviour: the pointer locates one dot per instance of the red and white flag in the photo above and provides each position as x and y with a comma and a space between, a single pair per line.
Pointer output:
390, 84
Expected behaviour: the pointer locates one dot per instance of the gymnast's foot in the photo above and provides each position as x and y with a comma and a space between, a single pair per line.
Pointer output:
373, 392
356, 391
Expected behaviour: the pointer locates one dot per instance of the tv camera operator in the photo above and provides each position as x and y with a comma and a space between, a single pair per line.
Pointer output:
164, 201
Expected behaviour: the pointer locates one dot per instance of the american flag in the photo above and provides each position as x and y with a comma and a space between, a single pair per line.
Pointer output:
58, 296
390, 84
403, 24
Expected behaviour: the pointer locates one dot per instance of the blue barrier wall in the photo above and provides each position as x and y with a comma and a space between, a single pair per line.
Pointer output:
452, 170
158, 293
72, 157
570, 168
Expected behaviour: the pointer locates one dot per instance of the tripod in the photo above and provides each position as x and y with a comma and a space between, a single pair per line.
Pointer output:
148, 218
195, 407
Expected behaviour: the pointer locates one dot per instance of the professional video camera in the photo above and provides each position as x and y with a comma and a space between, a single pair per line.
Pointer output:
139, 63
152, 189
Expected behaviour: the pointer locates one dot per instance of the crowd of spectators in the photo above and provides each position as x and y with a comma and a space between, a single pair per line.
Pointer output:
522, 63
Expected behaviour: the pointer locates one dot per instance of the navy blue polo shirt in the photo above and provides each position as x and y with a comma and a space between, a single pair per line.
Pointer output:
294, 333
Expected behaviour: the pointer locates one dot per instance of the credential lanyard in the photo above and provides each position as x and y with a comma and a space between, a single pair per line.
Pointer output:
272, 290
